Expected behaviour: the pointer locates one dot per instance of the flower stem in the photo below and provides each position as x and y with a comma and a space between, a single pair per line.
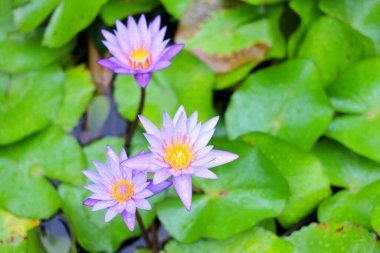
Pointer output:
131, 128
143, 231
154, 237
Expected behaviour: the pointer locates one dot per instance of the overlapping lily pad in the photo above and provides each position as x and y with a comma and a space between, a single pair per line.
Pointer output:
285, 100
308, 184
29, 102
187, 82
256, 240
344, 167
248, 190
356, 94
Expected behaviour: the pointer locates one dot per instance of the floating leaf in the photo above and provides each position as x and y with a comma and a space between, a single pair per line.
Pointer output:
247, 191
20, 53
375, 216
360, 205
226, 80
227, 38
333, 238
364, 16
333, 45
50, 153
69, 18
29, 102
120, 9
187, 82
13, 231
286, 100
259, 2
79, 89
308, 185
176, 8
256, 240
96, 151
344, 167
356, 94
30, 15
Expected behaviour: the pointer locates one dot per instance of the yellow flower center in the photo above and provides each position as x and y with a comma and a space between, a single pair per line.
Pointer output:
179, 154
140, 58
122, 191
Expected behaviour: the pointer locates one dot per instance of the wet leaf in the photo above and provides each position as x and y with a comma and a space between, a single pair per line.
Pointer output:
176, 8
286, 101
308, 184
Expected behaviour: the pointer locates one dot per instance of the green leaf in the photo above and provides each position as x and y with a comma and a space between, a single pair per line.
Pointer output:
260, 2
256, 240
97, 114
30, 15
79, 90
51, 153
187, 82
308, 185
119, 9
96, 151
68, 19
375, 216
25, 53
344, 167
308, 12
25, 192
333, 45
13, 231
29, 102
6, 19
226, 80
227, 39
176, 8
92, 233
364, 16
286, 101
247, 191
355, 94
351, 206
333, 238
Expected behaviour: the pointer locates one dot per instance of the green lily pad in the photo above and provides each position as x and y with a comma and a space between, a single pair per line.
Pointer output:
308, 12
354, 207
308, 184
187, 82
92, 233
247, 191
286, 100
25, 53
176, 8
333, 238
50, 153
13, 231
79, 90
333, 45
375, 216
29, 102
344, 167
119, 9
364, 16
68, 19
355, 94
30, 15
255, 240
260, 2
96, 151
226, 80
228, 38
6, 19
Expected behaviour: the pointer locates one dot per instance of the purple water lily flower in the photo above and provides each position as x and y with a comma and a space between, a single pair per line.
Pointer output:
180, 151
138, 49
119, 189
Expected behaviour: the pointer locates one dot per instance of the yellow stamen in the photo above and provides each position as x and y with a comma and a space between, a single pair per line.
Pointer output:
140, 58
122, 191
179, 154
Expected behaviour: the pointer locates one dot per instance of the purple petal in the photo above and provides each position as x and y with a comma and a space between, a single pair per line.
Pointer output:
109, 36
143, 79
141, 187
111, 213
203, 139
101, 196
182, 185
157, 188
140, 162
107, 63
155, 25
146, 193
201, 161
140, 178
153, 141
90, 202
123, 155
124, 71
172, 51
104, 172
161, 65
192, 121
103, 204
205, 173
96, 188
149, 126
178, 113
92, 175
203, 152
129, 220
122, 35
221, 157
210, 124
130, 206
161, 176
181, 124
194, 134
134, 35
143, 204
